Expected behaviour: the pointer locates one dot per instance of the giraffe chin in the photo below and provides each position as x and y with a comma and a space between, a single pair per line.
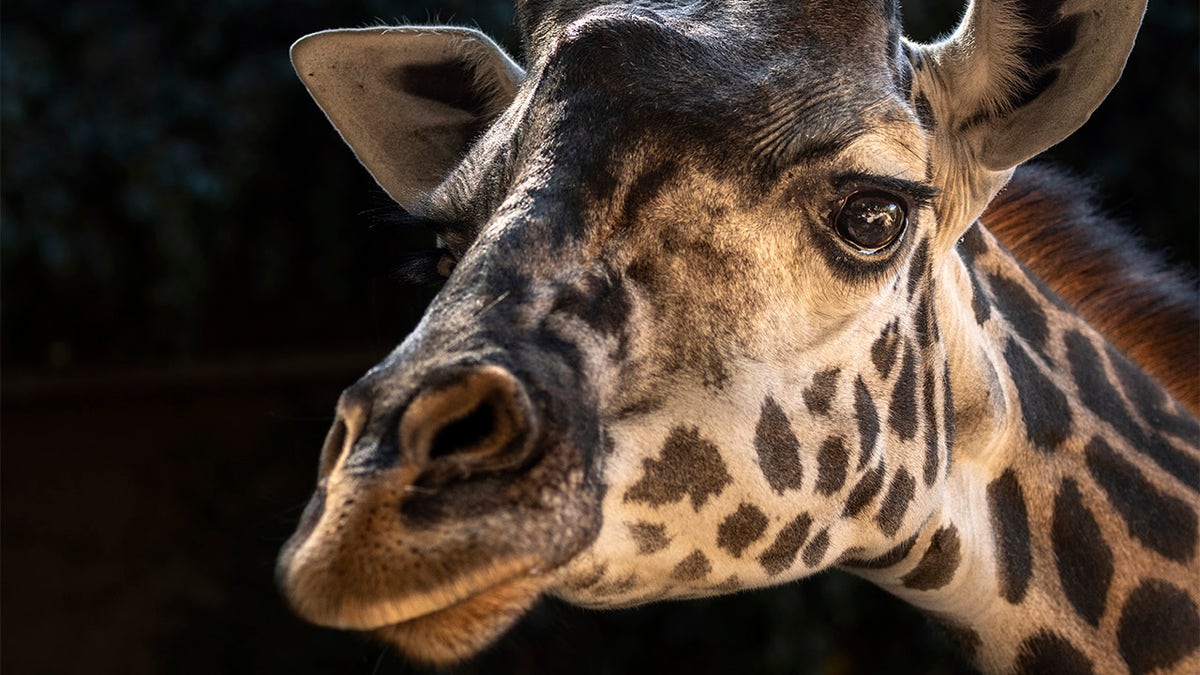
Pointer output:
467, 627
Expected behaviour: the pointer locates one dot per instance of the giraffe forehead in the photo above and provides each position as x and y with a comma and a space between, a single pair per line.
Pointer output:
896, 146
623, 98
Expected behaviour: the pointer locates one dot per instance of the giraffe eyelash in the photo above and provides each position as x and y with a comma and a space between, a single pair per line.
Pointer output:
425, 267
400, 218
429, 267
918, 194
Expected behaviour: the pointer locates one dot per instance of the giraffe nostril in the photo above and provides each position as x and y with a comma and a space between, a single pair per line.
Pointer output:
477, 418
331, 451
476, 428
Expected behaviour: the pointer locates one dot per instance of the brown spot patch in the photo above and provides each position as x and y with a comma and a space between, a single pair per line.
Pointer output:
939, 563
731, 584
949, 420
864, 492
1140, 304
741, 528
918, 267
867, 417
832, 460
885, 348
586, 579
617, 587
1023, 312
1160, 521
688, 466
1159, 627
885, 559
1010, 526
902, 411
815, 551
1048, 653
692, 568
649, 537
1082, 556
928, 332
1044, 407
819, 395
1100, 395
932, 437
777, 447
782, 552
896, 502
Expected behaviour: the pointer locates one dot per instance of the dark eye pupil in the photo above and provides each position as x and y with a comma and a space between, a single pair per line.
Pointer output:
870, 221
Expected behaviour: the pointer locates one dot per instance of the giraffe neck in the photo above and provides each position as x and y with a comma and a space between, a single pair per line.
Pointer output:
1066, 531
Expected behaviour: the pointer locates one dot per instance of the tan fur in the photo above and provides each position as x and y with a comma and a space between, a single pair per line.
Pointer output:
983, 55
462, 629
1140, 305
680, 340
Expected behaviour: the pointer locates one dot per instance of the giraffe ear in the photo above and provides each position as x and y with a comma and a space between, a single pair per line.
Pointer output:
409, 101
1018, 76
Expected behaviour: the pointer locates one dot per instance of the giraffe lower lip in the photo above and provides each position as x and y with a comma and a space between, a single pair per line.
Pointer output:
444, 611
444, 602
465, 627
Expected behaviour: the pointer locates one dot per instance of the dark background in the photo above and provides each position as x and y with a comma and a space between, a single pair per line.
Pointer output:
191, 273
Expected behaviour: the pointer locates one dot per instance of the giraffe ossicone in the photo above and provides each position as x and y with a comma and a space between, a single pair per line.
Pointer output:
723, 308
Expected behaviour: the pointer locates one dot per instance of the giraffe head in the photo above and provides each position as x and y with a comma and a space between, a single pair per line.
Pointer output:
689, 341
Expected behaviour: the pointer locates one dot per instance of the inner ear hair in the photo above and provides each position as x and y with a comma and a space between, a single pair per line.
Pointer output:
1018, 76
409, 101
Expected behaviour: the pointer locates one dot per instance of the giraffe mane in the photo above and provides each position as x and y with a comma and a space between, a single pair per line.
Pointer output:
1143, 305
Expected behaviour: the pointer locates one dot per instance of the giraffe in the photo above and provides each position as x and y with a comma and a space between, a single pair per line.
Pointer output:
720, 311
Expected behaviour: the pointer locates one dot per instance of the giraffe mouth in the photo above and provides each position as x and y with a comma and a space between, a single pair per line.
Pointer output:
335, 596
465, 626
436, 554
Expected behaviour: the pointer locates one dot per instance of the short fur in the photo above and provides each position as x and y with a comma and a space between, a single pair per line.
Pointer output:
659, 370
1048, 219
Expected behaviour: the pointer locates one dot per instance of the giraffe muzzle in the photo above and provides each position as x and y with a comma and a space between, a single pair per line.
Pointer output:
433, 502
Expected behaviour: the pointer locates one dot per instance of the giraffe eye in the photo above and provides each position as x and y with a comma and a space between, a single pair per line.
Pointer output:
871, 221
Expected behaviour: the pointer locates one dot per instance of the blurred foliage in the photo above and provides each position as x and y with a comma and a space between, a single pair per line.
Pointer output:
170, 192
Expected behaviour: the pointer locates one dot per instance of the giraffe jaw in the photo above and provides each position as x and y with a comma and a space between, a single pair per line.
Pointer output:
440, 585
438, 626
438, 594
466, 627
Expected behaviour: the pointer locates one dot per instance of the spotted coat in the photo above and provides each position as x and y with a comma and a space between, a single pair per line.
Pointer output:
720, 312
